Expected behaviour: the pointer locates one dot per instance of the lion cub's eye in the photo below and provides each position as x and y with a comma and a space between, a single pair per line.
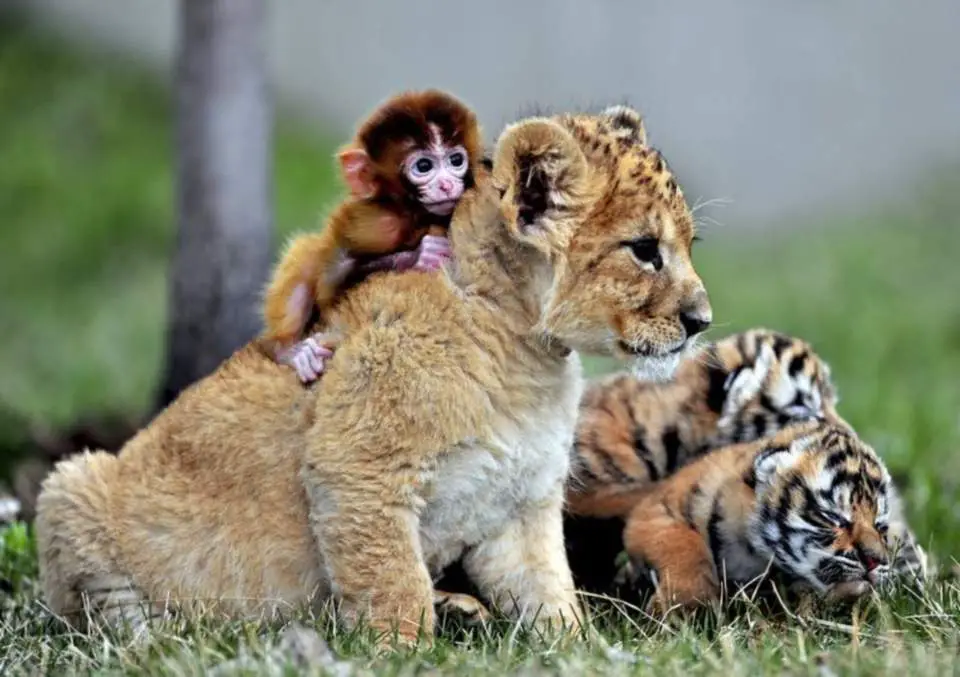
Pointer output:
646, 250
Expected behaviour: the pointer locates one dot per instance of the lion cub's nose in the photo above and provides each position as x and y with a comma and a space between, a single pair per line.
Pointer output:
694, 323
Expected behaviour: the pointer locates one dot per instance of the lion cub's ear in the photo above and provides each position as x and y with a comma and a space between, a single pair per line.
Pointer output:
543, 180
627, 123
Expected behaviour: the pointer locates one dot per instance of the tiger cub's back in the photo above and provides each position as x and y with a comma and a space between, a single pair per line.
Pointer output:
632, 433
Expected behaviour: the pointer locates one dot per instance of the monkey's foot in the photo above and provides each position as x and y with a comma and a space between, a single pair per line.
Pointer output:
306, 357
433, 252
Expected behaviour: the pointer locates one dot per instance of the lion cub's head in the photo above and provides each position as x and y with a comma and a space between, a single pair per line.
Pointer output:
606, 212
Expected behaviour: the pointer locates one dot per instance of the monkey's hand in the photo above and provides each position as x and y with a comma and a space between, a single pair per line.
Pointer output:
432, 253
307, 357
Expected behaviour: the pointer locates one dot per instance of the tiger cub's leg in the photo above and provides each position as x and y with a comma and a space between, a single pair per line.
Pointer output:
676, 552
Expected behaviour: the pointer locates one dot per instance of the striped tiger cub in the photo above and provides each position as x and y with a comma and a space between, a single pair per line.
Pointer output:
812, 503
632, 433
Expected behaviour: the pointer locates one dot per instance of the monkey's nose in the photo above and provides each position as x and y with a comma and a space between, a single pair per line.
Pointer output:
446, 186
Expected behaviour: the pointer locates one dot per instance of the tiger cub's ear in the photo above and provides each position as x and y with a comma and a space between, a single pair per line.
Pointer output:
775, 459
743, 385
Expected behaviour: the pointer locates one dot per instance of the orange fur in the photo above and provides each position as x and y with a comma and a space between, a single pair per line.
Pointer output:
734, 514
633, 435
632, 432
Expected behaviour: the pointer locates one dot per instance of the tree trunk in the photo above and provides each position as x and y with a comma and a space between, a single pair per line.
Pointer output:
224, 236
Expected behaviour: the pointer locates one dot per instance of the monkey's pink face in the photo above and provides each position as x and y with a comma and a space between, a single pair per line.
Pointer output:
438, 173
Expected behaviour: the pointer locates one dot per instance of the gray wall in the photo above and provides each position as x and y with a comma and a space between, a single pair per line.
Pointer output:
780, 107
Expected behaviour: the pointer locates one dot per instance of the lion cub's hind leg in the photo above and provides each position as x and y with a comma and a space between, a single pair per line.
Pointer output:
80, 578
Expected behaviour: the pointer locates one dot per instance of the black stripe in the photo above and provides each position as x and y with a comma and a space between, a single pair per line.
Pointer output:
767, 403
796, 364
836, 459
784, 542
671, 447
740, 433
714, 537
695, 494
642, 452
716, 377
614, 471
780, 345
742, 346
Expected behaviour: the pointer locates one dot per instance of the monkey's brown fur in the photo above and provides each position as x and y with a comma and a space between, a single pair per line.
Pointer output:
250, 494
390, 220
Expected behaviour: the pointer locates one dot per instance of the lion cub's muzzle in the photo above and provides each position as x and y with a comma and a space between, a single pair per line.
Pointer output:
696, 316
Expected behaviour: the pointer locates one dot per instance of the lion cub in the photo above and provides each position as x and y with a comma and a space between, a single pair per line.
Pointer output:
252, 495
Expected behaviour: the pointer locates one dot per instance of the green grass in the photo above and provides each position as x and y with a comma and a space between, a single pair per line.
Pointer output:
87, 225
919, 632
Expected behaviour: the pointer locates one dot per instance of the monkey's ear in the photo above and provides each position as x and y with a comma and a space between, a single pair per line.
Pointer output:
541, 174
627, 123
357, 172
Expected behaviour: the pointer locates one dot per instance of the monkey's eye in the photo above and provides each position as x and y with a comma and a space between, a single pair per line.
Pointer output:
423, 165
457, 159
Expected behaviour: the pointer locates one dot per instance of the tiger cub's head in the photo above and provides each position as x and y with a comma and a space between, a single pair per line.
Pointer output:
760, 381
826, 510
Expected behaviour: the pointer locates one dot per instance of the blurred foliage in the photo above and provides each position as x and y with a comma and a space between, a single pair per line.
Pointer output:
86, 194
18, 556
86, 198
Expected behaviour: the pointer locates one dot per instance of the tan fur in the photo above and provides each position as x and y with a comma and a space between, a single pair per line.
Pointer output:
440, 429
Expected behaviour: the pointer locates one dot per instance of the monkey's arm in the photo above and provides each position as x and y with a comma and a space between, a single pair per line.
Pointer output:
315, 265
303, 272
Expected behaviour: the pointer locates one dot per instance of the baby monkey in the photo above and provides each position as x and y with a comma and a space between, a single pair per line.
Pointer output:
407, 168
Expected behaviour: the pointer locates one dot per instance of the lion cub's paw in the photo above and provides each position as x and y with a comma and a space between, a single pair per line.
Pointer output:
462, 607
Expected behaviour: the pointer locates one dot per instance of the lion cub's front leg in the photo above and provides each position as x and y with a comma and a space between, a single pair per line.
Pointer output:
369, 542
524, 569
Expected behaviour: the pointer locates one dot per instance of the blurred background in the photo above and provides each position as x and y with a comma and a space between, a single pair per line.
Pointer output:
152, 159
